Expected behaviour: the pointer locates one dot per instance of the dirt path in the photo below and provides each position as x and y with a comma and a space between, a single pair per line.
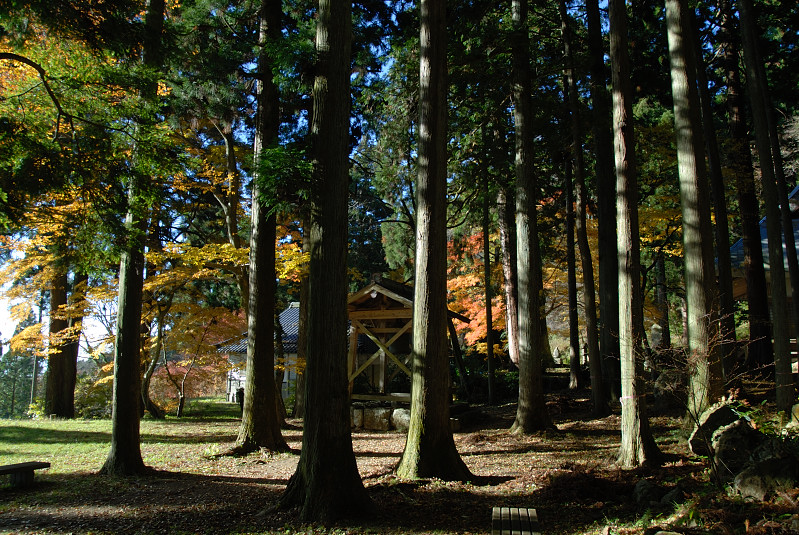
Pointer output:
567, 475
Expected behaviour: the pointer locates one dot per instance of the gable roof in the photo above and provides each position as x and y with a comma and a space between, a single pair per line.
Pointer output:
289, 322
382, 294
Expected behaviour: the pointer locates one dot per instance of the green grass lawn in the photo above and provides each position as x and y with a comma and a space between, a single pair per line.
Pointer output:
80, 446
193, 491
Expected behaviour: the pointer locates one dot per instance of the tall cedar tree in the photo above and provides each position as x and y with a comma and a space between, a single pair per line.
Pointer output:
326, 484
488, 290
531, 412
721, 228
637, 444
571, 263
124, 458
785, 386
704, 351
756, 86
740, 164
260, 422
589, 290
429, 448
507, 239
59, 397
606, 212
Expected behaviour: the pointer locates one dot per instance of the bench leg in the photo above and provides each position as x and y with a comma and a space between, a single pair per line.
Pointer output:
22, 480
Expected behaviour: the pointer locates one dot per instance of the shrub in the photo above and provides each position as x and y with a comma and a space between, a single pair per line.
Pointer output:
93, 397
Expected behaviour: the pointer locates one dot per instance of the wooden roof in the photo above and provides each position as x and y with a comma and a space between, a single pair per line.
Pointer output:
386, 299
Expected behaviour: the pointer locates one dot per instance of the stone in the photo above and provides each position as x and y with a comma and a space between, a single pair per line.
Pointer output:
733, 445
454, 425
771, 447
714, 417
655, 335
673, 497
669, 391
356, 417
377, 419
760, 480
401, 419
646, 492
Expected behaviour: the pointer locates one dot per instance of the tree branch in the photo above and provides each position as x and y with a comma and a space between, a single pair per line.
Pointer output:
10, 56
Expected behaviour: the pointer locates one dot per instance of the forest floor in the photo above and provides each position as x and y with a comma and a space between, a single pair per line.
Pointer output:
567, 475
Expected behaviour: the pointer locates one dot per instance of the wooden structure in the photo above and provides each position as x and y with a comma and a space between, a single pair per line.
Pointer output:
382, 312
22, 473
514, 521
235, 351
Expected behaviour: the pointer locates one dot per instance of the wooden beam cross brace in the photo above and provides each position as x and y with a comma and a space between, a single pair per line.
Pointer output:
381, 347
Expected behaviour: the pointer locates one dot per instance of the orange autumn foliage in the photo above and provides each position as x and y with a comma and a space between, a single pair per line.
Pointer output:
466, 288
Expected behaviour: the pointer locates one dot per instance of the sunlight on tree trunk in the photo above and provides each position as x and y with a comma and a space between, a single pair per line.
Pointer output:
531, 412
704, 349
606, 216
260, 421
637, 445
429, 448
507, 233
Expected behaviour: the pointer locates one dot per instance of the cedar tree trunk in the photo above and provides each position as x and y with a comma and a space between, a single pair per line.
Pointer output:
606, 214
704, 352
326, 484
260, 422
531, 411
429, 448
637, 445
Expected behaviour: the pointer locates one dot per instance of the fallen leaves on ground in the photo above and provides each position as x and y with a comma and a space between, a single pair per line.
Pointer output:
568, 475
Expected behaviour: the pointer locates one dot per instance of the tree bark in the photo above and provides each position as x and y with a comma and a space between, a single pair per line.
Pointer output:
704, 358
779, 312
125, 455
125, 458
606, 208
430, 449
740, 157
230, 201
662, 300
637, 444
302, 335
571, 262
156, 350
589, 291
59, 398
326, 484
726, 303
260, 421
531, 411
488, 292
35, 374
788, 234
507, 233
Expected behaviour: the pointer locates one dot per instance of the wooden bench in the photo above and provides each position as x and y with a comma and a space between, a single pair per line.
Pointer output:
22, 473
514, 521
